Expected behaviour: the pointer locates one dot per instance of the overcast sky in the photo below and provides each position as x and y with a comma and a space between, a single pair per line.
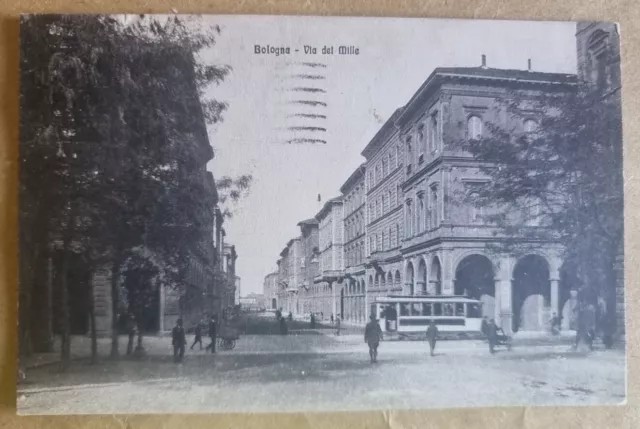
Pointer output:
395, 57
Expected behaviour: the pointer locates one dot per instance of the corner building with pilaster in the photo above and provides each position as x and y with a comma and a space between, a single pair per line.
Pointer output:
425, 236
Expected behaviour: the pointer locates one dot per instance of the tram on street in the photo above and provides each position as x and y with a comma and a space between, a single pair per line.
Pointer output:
407, 315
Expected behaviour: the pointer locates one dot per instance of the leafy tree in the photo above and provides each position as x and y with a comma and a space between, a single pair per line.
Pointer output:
560, 182
113, 143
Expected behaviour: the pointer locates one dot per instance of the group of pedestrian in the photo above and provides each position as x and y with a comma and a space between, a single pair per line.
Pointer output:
179, 338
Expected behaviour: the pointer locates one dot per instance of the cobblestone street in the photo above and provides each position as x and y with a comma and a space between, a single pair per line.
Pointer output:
314, 370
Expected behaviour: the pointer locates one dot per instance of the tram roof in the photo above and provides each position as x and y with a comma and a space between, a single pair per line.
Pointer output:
432, 298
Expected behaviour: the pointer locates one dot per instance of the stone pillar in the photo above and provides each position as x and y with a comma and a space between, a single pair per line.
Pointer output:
332, 286
506, 310
555, 296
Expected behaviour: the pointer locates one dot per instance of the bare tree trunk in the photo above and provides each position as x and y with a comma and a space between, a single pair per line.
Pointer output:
65, 349
115, 302
92, 320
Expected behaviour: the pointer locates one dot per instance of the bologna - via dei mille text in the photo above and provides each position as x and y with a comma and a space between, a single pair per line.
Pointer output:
216, 211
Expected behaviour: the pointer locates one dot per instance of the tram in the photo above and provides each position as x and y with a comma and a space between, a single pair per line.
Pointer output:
407, 315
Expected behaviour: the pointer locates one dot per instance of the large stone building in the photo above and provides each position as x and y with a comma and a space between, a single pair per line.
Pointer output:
352, 292
416, 225
445, 235
598, 59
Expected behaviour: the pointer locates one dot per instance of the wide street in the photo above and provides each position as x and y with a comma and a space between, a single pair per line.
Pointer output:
314, 370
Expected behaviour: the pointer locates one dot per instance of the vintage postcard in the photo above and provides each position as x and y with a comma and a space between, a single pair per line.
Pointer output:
281, 214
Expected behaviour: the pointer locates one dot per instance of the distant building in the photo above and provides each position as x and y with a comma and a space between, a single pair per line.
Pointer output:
352, 304
307, 292
270, 290
331, 247
290, 276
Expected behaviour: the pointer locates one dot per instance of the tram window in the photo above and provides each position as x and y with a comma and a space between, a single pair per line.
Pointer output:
460, 310
448, 309
437, 309
416, 309
405, 309
426, 309
473, 310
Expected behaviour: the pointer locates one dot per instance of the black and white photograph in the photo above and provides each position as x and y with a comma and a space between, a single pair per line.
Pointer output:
272, 214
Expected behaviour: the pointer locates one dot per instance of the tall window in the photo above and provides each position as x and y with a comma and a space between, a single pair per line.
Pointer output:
377, 208
384, 205
390, 157
409, 220
530, 126
397, 234
396, 157
378, 173
420, 214
384, 242
377, 241
474, 127
433, 132
390, 200
384, 167
422, 142
477, 211
598, 50
409, 157
434, 206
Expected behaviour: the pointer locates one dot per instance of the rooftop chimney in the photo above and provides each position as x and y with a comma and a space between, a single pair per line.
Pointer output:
529, 64
484, 61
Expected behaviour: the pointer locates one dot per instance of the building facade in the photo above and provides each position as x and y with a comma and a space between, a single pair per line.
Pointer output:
309, 236
598, 60
384, 156
290, 276
331, 247
352, 293
270, 291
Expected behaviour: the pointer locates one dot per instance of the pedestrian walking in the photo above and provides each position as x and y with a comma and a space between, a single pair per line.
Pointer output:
179, 341
212, 335
198, 334
338, 326
492, 335
372, 336
313, 321
131, 332
432, 336
484, 327
290, 317
331, 319
554, 324
283, 326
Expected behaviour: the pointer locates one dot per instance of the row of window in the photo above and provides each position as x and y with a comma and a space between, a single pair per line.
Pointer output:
355, 254
422, 217
354, 226
384, 167
354, 200
383, 204
385, 240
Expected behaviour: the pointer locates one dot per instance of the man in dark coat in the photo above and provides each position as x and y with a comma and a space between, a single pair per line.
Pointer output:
283, 326
198, 334
484, 327
212, 335
372, 336
131, 332
179, 341
492, 335
432, 336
